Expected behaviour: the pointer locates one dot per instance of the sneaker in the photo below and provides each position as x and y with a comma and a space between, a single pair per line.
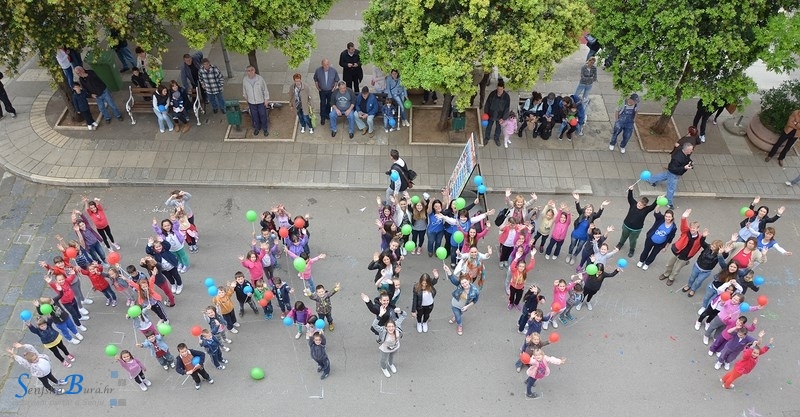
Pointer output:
74, 341
572, 261
89, 127
555, 324
179, 289
228, 341
645, 266
172, 365
211, 381
308, 336
82, 328
302, 129
108, 302
236, 324
460, 330
241, 312
419, 327
533, 395
697, 326
555, 257
330, 326
297, 336
424, 327
84, 318
173, 288
143, 386
519, 368
234, 331
166, 367
544, 325
197, 385
323, 376
547, 257
717, 365
224, 361
267, 316
727, 366
621, 150
639, 264
719, 354
630, 254
78, 336
392, 367
566, 260
67, 364
221, 367
115, 246
700, 311
113, 303
128, 302
610, 147
82, 309
386, 373
579, 306
703, 138
705, 340
510, 306
226, 349
788, 183
563, 321
311, 131
59, 391
589, 306
570, 317
147, 382
13, 115
161, 130
710, 353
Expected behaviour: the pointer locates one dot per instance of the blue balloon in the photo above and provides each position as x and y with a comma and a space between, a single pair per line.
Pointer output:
622, 263
744, 307
478, 180
758, 280
196, 360
645, 175
248, 290
392, 122
210, 282
484, 123
213, 291
319, 324
25, 315
162, 108
287, 321
481, 189
394, 176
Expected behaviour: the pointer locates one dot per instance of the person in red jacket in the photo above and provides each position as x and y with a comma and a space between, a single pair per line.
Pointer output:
746, 364
99, 283
61, 285
95, 212
689, 243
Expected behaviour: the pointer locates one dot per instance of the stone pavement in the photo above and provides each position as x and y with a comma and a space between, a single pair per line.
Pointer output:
119, 153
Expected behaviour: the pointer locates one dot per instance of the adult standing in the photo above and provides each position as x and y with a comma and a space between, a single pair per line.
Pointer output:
679, 163
626, 114
326, 79
190, 74
398, 93
98, 90
497, 106
254, 90
120, 47
588, 77
399, 185
344, 104
366, 109
350, 61
701, 118
424, 294
212, 81
6, 102
789, 137
64, 61
464, 296
689, 243
299, 98
389, 337
634, 221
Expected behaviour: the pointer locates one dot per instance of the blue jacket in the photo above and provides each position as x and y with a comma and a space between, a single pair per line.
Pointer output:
179, 368
48, 335
372, 104
80, 101
473, 295
211, 345
164, 254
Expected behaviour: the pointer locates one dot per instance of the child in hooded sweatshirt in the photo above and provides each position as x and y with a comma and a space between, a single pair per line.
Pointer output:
530, 301
282, 292
746, 364
159, 349
213, 348
559, 232
217, 325
539, 369
317, 346
323, 299
244, 293
300, 314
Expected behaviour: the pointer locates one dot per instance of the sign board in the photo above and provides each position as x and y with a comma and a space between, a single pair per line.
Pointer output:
463, 169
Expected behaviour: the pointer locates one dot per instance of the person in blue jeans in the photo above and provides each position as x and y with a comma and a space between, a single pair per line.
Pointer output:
435, 224
626, 115
679, 163
88, 237
464, 296
98, 90
398, 93
580, 230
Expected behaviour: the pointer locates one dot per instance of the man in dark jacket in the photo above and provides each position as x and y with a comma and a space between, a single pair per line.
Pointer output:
6, 102
679, 163
350, 61
190, 71
634, 221
97, 90
497, 106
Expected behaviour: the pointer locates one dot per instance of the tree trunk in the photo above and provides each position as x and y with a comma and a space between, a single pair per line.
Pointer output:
444, 116
66, 95
251, 56
661, 124
482, 88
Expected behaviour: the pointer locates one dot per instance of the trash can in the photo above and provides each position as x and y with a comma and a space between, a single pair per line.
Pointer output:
233, 113
105, 65
459, 121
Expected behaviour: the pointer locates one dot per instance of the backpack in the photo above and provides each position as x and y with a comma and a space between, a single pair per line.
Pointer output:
501, 217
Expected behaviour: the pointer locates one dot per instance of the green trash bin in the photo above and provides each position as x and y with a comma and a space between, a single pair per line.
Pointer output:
233, 113
459, 121
105, 65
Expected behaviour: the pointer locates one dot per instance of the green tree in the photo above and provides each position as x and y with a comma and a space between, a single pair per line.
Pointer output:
248, 26
30, 28
677, 49
444, 45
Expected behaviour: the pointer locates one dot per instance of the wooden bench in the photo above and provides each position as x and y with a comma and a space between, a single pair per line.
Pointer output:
142, 106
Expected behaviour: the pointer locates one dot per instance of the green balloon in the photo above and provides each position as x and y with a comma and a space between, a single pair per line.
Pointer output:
458, 236
257, 374
134, 311
662, 201
591, 269
111, 350
410, 245
441, 253
164, 328
460, 203
414, 199
407, 104
251, 215
299, 264
46, 309
406, 229
743, 210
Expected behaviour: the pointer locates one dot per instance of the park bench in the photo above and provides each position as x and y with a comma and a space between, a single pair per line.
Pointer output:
146, 106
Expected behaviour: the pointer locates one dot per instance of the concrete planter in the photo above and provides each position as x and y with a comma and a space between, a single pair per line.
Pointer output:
758, 134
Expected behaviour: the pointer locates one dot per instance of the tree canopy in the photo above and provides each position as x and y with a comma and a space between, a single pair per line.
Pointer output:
672, 50
248, 26
436, 44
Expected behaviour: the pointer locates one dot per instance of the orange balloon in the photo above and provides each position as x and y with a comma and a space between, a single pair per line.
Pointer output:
762, 300
114, 258
556, 306
299, 223
725, 296
283, 232
268, 296
71, 252
263, 302
525, 358
196, 330
554, 337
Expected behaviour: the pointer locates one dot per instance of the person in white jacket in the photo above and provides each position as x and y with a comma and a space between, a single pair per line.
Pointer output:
38, 365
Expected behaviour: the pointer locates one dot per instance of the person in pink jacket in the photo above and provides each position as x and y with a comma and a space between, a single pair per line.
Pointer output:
729, 312
509, 128
561, 291
252, 261
305, 275
539, 369
135, 369
559, 231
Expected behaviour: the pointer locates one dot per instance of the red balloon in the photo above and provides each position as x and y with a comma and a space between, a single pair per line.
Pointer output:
525, 358
71, 252
299, 223
263, 302
725, 296
554, 337
749, 213
196, 330
283, 232
485, 116
762, 300
573, 122
114, 258
556, 306
268, 296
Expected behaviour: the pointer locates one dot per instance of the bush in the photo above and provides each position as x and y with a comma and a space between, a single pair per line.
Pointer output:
778, 103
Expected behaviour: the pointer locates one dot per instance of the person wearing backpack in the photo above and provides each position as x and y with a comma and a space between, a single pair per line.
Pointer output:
401, 182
